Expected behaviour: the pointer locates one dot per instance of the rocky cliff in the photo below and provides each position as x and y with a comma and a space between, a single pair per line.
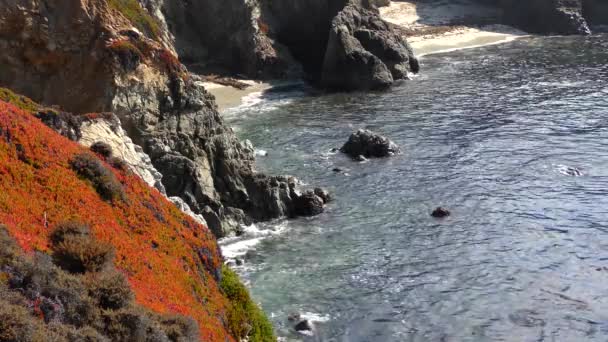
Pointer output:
98, 56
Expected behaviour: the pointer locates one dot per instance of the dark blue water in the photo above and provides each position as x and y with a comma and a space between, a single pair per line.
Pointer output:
491, 134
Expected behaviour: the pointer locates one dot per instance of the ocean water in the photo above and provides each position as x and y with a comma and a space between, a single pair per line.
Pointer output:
512, 138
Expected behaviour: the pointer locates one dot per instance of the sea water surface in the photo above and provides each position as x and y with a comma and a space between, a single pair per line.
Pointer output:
512, 138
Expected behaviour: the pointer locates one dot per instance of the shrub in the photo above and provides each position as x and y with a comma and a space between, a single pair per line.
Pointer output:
69, 229
118, 164
180, 328
75, 250
137, 15
245, 318
19, 101
92, 169
101, 148
111, 290
8, 247
16, 324
82, 254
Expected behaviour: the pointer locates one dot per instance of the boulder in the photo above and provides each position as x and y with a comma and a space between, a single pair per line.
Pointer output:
364, 53
309, 204
369, 144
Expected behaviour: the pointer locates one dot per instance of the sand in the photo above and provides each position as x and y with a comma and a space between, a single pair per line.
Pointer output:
431, 26
442, 25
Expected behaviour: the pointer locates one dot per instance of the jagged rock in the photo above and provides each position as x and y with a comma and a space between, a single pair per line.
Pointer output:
364, 53
107, 129
323, 194
309, 204
183, 206
64, 123
369, 144
543, 16
227, 36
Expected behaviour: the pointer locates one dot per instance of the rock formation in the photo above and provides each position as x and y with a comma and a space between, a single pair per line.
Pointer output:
369, 144
87, 57
364, 53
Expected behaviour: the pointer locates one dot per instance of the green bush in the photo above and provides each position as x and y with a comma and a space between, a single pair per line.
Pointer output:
138, 16
19, 101
92, 169
245, 318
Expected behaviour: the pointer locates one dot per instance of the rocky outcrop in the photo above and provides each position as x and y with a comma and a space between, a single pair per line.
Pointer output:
369, 144
107, 128
364, 53
227, 36
546, 16
258, 38
101, 63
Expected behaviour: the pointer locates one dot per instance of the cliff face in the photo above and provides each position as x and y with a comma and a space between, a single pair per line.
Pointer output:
98, 57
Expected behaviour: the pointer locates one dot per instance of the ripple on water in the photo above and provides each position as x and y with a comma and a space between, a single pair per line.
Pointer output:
512, 139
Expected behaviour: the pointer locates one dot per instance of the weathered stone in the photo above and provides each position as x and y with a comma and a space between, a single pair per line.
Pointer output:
369, 144
364, 53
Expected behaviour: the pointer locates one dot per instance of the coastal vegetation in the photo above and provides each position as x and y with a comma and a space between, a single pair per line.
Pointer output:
138, 16
125, 258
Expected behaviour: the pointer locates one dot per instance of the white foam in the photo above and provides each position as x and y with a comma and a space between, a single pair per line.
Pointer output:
237, 246
315, 317
261, 153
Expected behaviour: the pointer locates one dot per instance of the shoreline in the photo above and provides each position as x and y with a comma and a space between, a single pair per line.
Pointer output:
428, 30
228, 97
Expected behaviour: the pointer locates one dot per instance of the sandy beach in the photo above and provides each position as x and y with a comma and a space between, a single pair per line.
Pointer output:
429, 26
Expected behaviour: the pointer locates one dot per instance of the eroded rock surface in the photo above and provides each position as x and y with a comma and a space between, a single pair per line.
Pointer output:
369, 144
364, 53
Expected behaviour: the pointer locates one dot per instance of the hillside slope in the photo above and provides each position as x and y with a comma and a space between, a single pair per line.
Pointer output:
172, 263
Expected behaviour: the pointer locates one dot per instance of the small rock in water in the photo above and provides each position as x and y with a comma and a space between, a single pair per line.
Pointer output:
572, 171
323, 194
369, 144
337, 169
293, 317
440, 212
333, 150
304, 325
239, 262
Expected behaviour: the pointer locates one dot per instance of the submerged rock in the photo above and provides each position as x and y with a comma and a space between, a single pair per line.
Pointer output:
440, 212
369, 144
305, 326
